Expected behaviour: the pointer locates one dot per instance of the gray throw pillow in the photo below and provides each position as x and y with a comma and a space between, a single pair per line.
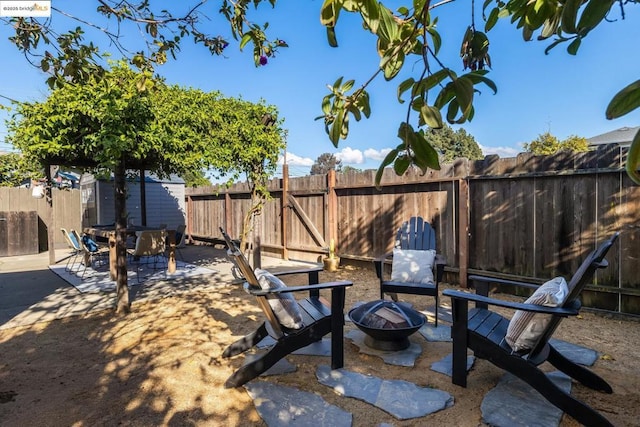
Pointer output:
284, 306
526, 327
413, 266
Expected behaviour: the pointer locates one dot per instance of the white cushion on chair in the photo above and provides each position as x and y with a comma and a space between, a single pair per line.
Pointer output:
526, 327
415, 266
284, 305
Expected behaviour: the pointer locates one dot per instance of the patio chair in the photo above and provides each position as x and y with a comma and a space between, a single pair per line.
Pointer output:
150, 246
91, 250
76, 248
413, 263
521, 344
293, 324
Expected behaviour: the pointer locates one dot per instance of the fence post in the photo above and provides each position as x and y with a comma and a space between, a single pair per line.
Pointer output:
51, 241
284, 215
189, 218
332, 207
463, 231
227, 214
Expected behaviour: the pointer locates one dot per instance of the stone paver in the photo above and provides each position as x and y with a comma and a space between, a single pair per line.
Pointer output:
405, 357
514, 403
445, 365
280, 405
576, 353
402, 399
440, 334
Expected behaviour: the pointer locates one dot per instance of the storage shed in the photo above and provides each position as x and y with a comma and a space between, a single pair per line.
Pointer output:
165, 201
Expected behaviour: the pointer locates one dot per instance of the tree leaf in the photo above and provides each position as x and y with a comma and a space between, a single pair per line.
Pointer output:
401, 164
389, 158
570, 15
426, 155
478, 76
246, 38
435, 78
431, 116
574, 46
452, 111
392, 63
328, 15
336, 128
593, 13
370, 12
388, 28
464, 94
492, 19
346, 87
625, 101
435, 37
446, 94
331, 37
403, 87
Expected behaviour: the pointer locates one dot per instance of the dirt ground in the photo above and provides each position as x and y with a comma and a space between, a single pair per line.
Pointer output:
162, 365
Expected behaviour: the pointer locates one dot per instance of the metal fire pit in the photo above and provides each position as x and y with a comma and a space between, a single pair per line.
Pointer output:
386, 335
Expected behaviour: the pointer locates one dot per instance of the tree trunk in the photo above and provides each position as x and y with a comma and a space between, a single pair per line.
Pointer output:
123, 305
143, 199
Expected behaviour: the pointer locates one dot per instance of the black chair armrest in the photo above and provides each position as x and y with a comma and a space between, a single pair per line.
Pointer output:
312, 273
559, 311
487, 279
379, 263
440, 263
327, 285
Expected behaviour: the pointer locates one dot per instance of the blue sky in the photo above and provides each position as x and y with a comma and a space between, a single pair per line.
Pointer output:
558, 92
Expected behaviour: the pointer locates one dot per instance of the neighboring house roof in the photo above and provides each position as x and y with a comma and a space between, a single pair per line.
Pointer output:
622, 136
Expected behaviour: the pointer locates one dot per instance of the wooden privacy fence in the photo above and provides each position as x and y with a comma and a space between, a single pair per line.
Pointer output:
67, 213
532, 217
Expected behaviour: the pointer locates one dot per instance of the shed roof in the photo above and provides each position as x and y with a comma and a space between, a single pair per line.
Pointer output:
148, 177
622, 136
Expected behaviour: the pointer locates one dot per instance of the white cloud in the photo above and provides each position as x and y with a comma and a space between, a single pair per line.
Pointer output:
350, 156
500, 151
294, 160
377, 155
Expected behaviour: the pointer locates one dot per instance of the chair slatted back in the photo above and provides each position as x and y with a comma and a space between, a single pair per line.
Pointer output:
150, 243
416, 234
581, 278
71, 240
251, 282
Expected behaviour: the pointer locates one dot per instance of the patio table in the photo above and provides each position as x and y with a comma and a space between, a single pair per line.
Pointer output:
110, 233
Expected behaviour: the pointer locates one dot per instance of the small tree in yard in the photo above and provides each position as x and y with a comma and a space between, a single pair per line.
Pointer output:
453, 145
325, 163
547, 144
123, 120
14, 171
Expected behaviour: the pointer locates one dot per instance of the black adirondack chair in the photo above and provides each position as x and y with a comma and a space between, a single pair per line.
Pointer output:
319, 318
483, 331
415, 234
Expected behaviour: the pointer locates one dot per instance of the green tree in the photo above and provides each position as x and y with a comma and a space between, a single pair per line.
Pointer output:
452, 145
14, 171
405, 35
575, 143
195, 179
546, 144
324, 163
123, 120
348, 168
